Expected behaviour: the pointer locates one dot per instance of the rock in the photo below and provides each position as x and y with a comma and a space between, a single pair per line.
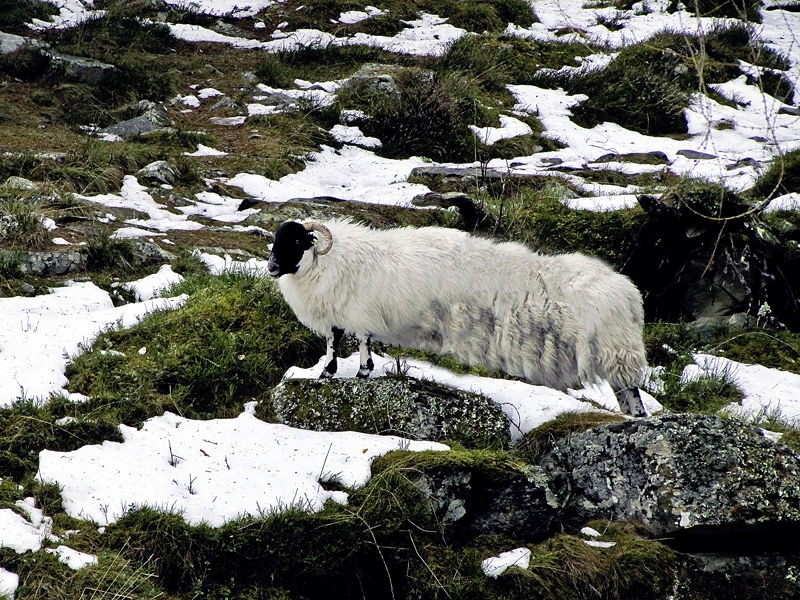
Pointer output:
158, 172
477, 501
145, 252
8, 226
726, 577
229, 29
471, 214
151, 120
11, 43
376, 78
50, 264
677, 475
455, 174
695, 155
227, 103
405, 406
78, 69
20, 183
642, 158
744, 162
466, 494
694, 266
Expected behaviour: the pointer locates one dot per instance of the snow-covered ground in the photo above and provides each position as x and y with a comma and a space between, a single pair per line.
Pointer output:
194, 466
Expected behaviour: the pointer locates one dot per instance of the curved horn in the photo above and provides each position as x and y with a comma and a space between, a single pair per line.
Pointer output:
324, 237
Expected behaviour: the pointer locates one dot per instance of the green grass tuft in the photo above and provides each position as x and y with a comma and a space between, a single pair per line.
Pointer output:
229, 344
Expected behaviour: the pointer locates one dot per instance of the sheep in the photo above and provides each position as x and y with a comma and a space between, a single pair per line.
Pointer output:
554, 320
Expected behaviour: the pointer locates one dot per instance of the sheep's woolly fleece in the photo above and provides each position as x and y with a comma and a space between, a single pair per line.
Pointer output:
39, 335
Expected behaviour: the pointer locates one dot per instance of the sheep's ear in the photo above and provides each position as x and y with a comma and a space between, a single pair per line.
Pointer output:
323, 236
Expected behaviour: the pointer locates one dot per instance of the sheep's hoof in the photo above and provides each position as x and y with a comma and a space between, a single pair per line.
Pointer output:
363, 372
630, 402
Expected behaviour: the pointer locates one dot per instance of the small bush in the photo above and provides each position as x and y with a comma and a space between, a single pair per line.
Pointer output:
106, 37
746, 10
497, 60
489, 15
706, 395
17, 13
25, 64
633, 95
26, 428
21, 225
782, 177
427, 117
104, 253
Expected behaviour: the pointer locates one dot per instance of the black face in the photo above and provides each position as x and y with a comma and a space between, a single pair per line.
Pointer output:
291, 241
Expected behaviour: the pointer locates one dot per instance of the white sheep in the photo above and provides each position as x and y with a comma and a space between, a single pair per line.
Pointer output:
555, 320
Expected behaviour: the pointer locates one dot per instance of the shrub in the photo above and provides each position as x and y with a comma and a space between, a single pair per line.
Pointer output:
17, 13
489, 15
648, 86
782, 177
427, 117
746, 10
633, 94
496, 61
21, 225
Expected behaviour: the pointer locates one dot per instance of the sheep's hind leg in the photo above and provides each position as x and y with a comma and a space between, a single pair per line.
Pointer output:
332, 354
365, 358
630, 402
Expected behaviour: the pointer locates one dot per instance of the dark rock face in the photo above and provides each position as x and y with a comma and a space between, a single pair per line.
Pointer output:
675, 474
712, 267
468, 502
390, 405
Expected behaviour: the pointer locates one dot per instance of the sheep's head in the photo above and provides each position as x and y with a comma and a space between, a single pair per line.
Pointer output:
292, 241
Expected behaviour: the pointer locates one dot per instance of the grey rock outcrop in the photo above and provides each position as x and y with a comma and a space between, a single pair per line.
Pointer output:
403, 406
50, 264
158, 172
10, 42
676, 473
642, 158
151, 120
20, 183
78, 69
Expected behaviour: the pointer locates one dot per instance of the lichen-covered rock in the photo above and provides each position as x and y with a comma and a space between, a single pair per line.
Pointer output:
158, 172
403, 406
50, 264
676, 473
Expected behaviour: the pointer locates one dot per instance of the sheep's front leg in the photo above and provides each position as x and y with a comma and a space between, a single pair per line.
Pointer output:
630, 402
365, 358
332, 354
